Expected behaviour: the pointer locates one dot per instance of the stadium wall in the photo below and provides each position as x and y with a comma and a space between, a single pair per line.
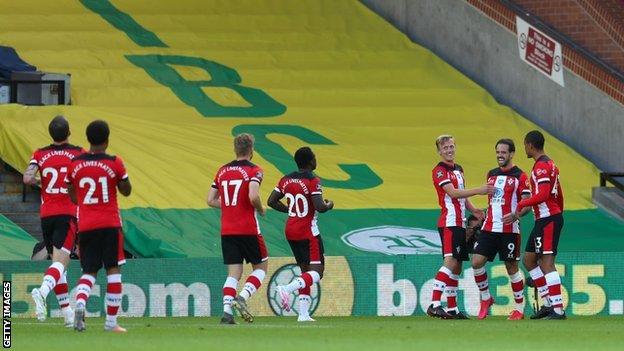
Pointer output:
398, 285
580, 114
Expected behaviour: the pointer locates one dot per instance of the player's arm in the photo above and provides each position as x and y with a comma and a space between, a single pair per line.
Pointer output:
466, 193
124, 186
514, 216
71, 191
30, 174
541, 196
254, 197
477, 212
275, 202
527, 209
320, 204
213, 200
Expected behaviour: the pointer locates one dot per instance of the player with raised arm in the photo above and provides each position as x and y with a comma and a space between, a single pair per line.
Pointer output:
58, 215
236, 191
304, 196
93, 179
448, 180
541, 249
511, 185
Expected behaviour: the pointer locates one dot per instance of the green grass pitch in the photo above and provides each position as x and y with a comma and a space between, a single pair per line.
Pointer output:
328, 333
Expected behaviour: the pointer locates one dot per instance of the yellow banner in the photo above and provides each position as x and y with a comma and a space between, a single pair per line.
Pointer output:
175, 80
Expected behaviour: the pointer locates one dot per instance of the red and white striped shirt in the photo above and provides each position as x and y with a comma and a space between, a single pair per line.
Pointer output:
546, 195
510, 185
453, 210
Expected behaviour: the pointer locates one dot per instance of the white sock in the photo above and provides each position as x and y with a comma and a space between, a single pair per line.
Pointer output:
230, 283
253, 283
553, 278
300, 283
304, 305
63, 299
515, 278
49, 282
484, 289
536, 273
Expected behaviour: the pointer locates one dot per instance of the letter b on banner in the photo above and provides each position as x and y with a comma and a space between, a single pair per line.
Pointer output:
388, 289
159, 67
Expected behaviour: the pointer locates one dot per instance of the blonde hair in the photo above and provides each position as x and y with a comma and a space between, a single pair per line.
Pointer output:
443, 139
243, 144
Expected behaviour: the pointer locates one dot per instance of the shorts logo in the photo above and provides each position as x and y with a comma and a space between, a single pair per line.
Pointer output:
282, 276
394, 240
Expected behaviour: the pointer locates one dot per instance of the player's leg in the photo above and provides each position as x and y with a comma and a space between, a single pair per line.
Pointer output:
460, 254
90, 246
485, 250
113, 259
481, 279
256, 254
531, 263
509, 251
516, 280
550, 240
233, 260
113, 299
63, 255
443, 276
54, 272
253, 250
311, 275
310, 255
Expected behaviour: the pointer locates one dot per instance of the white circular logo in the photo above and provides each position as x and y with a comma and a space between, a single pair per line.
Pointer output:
395, 240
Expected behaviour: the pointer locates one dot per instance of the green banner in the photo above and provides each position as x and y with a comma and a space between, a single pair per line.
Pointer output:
362, 285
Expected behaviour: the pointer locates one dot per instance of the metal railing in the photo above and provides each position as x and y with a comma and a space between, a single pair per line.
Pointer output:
14, 83
557, 35
611, 178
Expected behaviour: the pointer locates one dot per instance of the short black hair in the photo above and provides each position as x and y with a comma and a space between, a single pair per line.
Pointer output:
98, 132
58, 128
535, 138
508, 142
304, 156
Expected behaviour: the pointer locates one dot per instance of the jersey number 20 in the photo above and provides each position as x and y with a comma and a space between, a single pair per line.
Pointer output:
294, 208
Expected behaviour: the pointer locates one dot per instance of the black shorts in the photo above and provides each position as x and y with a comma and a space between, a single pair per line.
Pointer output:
101, 247
544, 238
308, 251
454, 242
507, 245
59, 232
251, 248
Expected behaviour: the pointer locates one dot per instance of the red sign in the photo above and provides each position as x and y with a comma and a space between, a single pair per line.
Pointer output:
540, 51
